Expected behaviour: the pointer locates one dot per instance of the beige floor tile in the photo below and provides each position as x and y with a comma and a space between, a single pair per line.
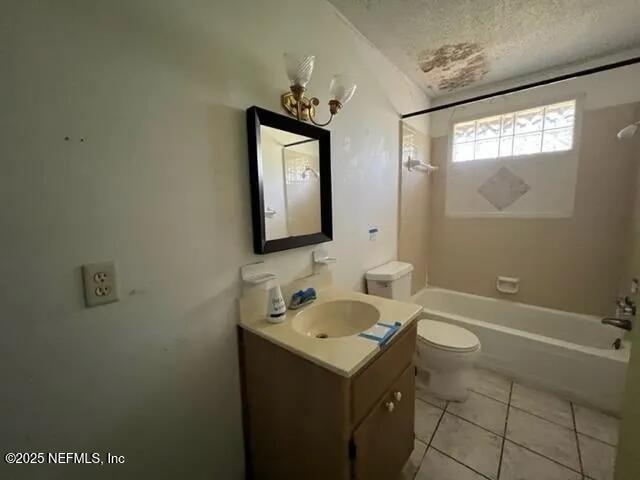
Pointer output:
598, 458
437, 466
541, 403
596, 424
413, 464
484, 411
544, 437
492, 385
469, 444
426, 420
521, 464
422, 392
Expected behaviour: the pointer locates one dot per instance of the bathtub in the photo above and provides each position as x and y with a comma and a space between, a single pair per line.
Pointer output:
566, 352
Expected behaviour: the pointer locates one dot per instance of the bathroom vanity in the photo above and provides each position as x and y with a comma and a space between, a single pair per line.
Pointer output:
334, 408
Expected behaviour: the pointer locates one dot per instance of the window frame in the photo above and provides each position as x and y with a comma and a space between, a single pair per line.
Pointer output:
515, 107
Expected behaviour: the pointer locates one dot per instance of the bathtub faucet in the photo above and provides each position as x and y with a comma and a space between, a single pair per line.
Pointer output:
624, 323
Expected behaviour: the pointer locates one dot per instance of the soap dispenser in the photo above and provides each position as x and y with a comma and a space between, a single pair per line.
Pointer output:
276, 307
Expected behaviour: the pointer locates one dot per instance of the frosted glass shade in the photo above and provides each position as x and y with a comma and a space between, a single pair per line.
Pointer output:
342, 88
299, 68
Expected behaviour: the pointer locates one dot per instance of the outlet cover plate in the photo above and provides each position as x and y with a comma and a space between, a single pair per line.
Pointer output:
100, 284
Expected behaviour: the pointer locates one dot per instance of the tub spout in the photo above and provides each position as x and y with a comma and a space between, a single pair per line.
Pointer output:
624, 323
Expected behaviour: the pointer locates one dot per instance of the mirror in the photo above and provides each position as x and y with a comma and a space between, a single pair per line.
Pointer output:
290, 170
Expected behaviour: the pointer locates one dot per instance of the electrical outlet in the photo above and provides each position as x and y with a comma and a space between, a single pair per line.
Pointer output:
99, 283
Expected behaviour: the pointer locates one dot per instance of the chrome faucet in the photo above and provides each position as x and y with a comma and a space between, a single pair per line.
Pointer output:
625, 308
624, 323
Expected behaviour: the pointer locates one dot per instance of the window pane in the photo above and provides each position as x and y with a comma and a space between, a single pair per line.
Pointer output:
488, 128
507, 124
526, 144
557, 140
464, 132
559, 115
463, 152
529, 120
506, 146
487, 149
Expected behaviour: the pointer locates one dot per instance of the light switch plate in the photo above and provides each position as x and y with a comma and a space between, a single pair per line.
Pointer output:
100, 285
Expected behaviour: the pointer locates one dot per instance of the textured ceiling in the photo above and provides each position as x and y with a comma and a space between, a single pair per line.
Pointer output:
448, 45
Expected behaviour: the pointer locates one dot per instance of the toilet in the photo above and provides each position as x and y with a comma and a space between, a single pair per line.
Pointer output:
446, 352
391, 280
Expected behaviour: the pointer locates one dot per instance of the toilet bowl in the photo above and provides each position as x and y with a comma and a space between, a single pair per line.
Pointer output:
448, 353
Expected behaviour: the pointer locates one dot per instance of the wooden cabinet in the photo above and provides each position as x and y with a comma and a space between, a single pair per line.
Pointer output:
304, 421
384, 440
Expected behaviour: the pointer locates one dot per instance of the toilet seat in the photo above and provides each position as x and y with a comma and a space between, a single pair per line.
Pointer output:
445, 336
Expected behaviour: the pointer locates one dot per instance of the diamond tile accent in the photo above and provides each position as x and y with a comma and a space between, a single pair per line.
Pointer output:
503, 189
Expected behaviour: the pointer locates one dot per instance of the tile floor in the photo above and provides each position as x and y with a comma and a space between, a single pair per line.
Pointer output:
508, 431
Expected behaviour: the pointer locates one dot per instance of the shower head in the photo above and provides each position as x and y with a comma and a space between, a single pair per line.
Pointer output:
628, 131
310, 171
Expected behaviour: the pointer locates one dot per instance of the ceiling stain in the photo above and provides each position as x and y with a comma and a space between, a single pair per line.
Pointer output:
454, 66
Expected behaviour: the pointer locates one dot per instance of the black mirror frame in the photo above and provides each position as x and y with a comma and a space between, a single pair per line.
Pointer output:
257, 116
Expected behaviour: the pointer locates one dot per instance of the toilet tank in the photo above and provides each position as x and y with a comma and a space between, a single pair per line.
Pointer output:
391, 280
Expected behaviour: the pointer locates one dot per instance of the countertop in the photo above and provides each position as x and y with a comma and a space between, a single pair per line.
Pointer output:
342, 355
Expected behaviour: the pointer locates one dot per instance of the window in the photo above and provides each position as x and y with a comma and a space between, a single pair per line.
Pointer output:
535, 130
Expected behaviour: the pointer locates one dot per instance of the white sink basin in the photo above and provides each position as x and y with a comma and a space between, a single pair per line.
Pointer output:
339, 318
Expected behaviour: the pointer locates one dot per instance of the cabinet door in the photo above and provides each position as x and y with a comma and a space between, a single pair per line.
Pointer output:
384, 440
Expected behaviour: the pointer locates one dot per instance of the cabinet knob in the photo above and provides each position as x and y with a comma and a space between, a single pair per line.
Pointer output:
397, 396
389, 406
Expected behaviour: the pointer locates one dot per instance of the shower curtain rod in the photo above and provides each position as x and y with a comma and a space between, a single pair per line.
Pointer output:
528, 86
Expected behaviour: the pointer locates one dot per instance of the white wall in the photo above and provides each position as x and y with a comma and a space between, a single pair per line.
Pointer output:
158, 91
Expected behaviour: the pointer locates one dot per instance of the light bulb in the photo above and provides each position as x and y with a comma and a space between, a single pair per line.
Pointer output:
342, 88
299, 68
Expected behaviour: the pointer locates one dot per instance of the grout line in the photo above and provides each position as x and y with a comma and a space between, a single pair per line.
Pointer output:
435, 430
432, 435
474, 424
488, 396
575, 429
504, 432
426, 448
543, 418
543, 456
504, 439
511, 440
590, 437
461, 463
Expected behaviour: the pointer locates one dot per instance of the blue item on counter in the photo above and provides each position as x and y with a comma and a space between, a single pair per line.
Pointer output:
302, 298
381, 332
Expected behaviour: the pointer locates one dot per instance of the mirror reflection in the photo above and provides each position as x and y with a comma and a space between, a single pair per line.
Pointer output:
291, 183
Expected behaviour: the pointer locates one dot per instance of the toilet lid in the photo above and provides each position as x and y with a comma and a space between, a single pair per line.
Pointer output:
446, 336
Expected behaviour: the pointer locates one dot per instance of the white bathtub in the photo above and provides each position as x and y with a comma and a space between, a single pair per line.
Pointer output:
567, 352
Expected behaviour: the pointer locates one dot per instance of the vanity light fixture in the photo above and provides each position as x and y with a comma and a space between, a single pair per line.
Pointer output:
299, 70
